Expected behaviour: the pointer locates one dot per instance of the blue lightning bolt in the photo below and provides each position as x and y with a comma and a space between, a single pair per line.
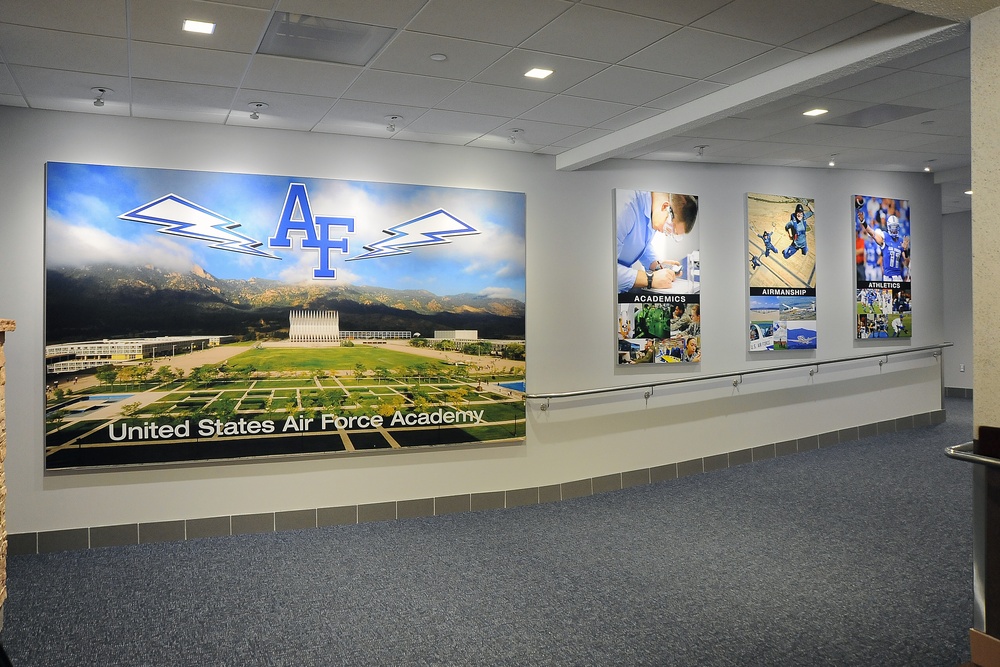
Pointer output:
429, 229
180, 217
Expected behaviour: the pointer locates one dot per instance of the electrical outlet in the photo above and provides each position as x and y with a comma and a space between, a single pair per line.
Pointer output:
961, 368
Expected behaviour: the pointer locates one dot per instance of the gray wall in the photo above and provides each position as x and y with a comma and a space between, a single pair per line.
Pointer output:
956, 241
570, 323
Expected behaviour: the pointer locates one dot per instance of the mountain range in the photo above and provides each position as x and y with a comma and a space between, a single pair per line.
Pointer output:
108, 301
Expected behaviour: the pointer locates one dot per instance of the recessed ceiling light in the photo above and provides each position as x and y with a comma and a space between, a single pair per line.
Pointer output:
968, 192
439, 57
814, 112
538, 73
199, 26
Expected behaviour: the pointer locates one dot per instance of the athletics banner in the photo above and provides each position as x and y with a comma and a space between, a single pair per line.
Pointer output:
658, 273
194, 316
781, 241
882, 258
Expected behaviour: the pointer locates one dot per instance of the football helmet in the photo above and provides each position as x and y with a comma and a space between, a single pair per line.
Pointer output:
892, 226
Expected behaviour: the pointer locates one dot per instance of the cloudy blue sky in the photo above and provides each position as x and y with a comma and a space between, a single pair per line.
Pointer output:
83, 227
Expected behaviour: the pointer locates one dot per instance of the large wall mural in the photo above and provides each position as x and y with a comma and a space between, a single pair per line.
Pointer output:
196, 316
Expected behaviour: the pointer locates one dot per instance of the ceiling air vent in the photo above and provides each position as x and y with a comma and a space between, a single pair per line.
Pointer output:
327, 40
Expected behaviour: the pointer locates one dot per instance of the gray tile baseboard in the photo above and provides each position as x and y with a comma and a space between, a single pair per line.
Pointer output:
161, 531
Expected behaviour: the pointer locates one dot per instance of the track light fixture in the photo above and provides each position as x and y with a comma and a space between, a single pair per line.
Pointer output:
257, 108
99, 94
514, 134
392, 119
701, 150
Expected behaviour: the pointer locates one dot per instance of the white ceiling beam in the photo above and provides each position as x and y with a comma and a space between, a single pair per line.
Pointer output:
892, 40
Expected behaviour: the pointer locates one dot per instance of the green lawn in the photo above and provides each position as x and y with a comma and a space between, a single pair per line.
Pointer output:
330, 358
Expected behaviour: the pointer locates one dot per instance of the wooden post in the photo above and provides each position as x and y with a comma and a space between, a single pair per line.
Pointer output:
5, 326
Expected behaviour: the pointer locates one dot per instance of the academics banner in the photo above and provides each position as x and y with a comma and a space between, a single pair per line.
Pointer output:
781, 241
658, 272
882, 258
196, 316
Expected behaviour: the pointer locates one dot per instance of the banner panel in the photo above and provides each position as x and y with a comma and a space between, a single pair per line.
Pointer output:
882, 258
782, 282
658, 272
196, 316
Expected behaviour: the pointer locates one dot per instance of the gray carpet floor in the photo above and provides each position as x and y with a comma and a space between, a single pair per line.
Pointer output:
854, 555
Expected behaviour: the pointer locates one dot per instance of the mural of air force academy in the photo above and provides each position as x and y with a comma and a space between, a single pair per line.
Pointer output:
882, 257
659, 277
196, 316
781, 240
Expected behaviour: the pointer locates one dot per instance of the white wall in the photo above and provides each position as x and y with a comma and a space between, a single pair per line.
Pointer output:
956, 242
570, 322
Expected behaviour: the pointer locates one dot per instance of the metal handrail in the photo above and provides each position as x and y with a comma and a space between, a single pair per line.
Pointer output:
738, 375
963, 452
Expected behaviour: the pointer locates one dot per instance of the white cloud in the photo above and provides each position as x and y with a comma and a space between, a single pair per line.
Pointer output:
75, 245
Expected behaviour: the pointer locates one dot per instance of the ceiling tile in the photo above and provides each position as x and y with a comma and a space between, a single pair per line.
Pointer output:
64, 50
778, 22
428, 138
895, 86
306, 110
675, 11
237, 28
366, 118
182, 96
628, 85
304, 77
873, 17
930, 53
396, 88
567, 72
510, 22
937, 122
575, 111
410, 52
538, 133
758, 65
581, 137
97, 17
695, 53
827, 135
216, 117
41, 87
953, 95
954, 64
12, 100
437, 121
630, 117
598, 34
165, 62
389, 13
849, 81
500, 142
7, 85
499, 100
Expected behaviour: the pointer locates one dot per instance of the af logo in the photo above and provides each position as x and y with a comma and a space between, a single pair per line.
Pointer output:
324, 234
297, 216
